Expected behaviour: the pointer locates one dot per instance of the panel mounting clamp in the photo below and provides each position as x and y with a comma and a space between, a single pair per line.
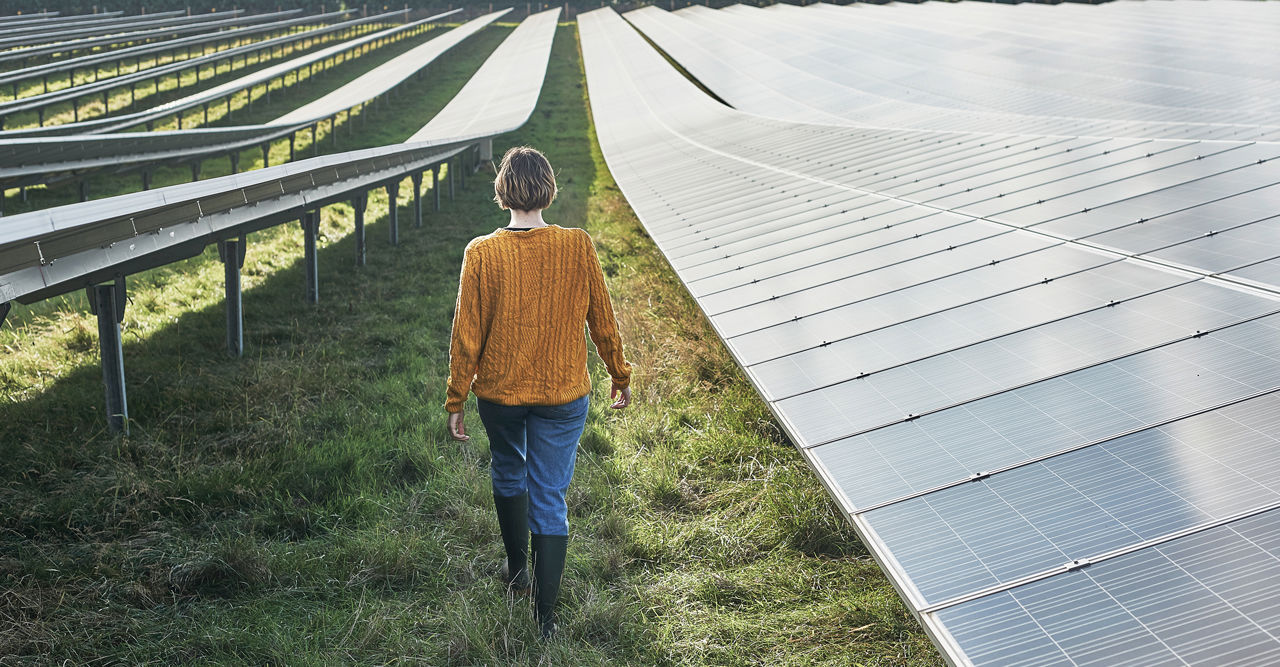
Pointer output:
1077, 564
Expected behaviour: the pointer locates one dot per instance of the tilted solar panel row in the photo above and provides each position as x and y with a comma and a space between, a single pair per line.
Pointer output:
1039, 372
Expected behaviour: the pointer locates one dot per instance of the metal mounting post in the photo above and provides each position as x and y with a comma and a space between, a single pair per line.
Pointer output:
206, 113
463, 158
393, 211
293, 139
486, 149
361, 202
195, 171
232, 252
315, 138
107, 302
235, 162
417, 199
451, 170
435, 187
310, 230
146, 179
266, 155
84, 189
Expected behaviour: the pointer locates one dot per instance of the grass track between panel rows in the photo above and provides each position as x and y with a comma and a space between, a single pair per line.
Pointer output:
303, 505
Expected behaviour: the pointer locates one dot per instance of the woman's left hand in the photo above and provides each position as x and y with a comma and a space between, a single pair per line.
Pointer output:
457, 428
622, 396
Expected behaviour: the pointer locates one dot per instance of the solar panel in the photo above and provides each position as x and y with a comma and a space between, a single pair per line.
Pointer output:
1028, 337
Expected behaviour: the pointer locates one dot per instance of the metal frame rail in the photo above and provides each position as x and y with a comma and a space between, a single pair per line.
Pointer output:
104, 87
27, 161
95, 245
94, 61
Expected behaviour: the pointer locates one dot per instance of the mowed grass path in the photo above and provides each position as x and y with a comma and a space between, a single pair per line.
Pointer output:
303, 505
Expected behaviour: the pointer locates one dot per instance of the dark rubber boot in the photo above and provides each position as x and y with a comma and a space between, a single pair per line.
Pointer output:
513, 521
548, 566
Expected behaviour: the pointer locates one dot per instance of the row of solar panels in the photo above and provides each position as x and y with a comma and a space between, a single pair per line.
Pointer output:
938, 66
102, 85
349, 35
1037, 369
48, 252
27, 160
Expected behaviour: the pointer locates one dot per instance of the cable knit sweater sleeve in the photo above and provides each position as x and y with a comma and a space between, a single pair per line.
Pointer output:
600, 320
468, 332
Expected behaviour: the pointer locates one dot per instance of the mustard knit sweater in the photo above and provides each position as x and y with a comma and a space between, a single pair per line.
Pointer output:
523, 299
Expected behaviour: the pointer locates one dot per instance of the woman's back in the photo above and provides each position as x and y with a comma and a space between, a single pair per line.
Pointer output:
532, 292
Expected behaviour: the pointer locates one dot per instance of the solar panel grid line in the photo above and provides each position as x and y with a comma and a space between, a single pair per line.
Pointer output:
1145, 457
825, 275
1229, 147
978, 475
813, 249
1093, 560
924, 353
830, 434
1016, 272
1043, 421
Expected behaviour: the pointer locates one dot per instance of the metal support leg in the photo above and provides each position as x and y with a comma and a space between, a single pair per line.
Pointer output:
206, 113
435, 187
486, 150
195, 171
232, 252
463, 168
417, 200
361, 202
107, 302
235, 162
310, 230
315, 138
266, 155
84, 190
293, 139
146, 179
451, 170
393, 211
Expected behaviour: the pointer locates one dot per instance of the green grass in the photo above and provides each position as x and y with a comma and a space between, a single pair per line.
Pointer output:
304, 505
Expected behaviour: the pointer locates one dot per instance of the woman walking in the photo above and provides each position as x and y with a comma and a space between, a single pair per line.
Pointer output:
525, 294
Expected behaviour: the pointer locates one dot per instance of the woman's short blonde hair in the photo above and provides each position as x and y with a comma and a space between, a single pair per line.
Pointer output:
525, 181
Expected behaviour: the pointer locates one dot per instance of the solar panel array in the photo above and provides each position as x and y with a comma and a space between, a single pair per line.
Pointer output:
26, 159
1036, 361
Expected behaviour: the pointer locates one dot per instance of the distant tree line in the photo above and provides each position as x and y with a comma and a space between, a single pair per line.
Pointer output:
417, 7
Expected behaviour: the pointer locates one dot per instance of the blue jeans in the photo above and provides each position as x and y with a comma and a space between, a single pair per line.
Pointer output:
533, 448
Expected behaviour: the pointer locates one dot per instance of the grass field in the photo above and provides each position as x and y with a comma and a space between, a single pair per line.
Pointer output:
304, 505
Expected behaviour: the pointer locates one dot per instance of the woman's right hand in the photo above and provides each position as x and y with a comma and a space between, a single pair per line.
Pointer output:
457, 428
